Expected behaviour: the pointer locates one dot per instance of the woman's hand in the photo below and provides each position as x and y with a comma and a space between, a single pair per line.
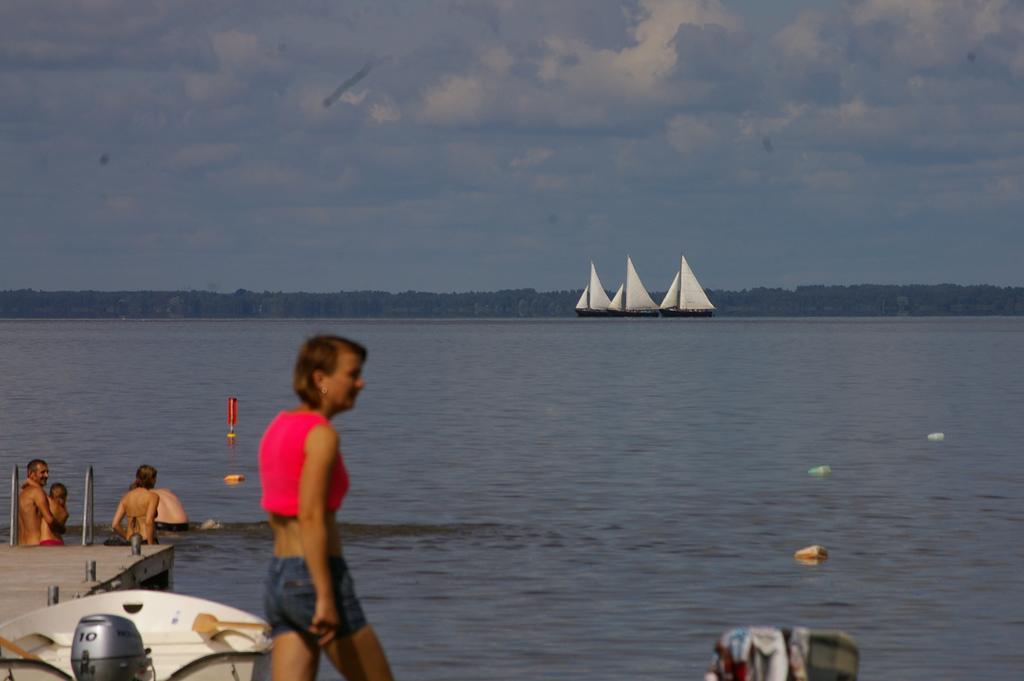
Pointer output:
325, 621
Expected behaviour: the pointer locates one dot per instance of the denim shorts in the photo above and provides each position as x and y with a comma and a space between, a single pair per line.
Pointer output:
290, 597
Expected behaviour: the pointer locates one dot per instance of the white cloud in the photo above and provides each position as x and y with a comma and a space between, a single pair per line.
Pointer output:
852, 112
211, 87
577, 84
201, 239
459, 99
385, 111
642, 68
1017, 63
261, 174
546, 182
241, 56
925, 82
353, 98
903, 34
200, 155
689, 134
308, 99
849, 106
804, 39
121, 206
827, 180
498, 60
1007, 187
532, 157
241, 51
236, 48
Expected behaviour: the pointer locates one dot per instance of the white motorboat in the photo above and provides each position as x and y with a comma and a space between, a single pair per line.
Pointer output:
187, 638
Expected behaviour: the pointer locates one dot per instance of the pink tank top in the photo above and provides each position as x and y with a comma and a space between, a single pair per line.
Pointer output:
282, 453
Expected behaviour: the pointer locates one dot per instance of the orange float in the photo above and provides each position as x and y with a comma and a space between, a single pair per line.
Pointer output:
811, 555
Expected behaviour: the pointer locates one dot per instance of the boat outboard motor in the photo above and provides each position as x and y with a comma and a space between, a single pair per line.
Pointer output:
108, 648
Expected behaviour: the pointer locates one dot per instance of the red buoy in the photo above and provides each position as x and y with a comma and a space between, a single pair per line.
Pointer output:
232, 415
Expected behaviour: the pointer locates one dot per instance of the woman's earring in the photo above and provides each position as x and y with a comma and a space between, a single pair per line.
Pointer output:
323, 391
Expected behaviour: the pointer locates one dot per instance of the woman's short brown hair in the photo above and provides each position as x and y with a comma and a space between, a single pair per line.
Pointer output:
320, 353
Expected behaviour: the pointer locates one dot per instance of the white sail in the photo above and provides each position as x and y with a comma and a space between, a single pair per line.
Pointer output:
616, 303
637, 297
598, 298
671, 298
581, 304
693, 296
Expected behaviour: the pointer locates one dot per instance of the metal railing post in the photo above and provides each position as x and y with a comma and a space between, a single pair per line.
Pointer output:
14, 506
87, 510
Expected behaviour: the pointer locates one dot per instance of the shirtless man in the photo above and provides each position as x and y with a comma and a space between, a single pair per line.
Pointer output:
170, 514
54, 535
139, 507
33, 505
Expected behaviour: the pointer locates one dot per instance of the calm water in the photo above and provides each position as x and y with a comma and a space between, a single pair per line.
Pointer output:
586, 499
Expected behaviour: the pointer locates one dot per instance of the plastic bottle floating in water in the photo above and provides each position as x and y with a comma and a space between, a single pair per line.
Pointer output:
819, 471
936, 437
234, 478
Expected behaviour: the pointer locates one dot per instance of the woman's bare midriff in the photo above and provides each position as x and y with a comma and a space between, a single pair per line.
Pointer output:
288, 539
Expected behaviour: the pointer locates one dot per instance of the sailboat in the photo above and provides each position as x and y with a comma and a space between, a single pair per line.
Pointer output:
594, 301
632, 299
685, 297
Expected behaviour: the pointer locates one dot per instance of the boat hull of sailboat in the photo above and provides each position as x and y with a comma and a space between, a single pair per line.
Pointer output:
632, 313
687, 313
591, 313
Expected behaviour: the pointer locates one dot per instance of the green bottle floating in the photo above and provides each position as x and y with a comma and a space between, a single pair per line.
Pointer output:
820, 471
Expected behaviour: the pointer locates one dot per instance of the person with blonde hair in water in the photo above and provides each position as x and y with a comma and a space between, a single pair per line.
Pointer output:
310, 599
138, 507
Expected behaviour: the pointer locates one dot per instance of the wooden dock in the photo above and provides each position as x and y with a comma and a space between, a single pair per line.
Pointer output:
27, 572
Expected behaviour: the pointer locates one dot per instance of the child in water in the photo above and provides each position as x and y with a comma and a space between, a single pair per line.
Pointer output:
53, 535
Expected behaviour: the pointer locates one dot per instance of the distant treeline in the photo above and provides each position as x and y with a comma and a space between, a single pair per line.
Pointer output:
866, 300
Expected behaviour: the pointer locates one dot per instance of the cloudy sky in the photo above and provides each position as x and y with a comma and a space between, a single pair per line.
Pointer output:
505, 143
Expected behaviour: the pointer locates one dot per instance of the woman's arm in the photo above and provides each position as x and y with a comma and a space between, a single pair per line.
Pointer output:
321, 454
115, 524
149, 526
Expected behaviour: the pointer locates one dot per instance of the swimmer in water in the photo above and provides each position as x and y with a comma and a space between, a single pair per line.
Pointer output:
138, 507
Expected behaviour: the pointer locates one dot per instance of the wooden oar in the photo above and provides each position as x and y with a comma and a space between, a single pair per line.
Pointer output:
15, 648
207, 624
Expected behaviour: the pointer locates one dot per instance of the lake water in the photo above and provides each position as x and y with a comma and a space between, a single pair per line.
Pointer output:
585, 499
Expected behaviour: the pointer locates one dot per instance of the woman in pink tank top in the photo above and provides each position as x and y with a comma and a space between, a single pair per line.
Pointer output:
309, 598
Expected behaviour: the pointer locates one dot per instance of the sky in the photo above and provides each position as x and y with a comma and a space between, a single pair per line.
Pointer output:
476, 145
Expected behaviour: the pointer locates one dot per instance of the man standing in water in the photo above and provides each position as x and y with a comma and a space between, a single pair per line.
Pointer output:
33, 505
170, 514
